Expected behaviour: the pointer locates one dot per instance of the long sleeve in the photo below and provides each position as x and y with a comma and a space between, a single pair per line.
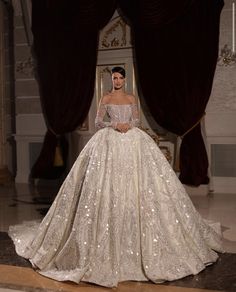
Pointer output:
99, 123
135, 121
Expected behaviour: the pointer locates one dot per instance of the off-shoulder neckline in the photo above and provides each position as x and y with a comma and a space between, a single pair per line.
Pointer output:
118, 104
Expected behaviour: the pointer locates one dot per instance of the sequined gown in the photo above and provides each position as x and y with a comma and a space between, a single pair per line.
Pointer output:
121, 214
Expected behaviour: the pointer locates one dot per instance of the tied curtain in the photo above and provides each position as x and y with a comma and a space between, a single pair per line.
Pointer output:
65, 48
175, 49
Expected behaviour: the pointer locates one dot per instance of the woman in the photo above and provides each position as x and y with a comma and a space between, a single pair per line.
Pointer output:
121, 213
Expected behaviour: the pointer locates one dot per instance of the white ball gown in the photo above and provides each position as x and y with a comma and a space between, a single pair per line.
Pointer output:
121, 214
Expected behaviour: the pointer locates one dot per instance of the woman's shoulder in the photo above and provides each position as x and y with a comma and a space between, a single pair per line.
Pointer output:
109, 98
131, 98
106, 98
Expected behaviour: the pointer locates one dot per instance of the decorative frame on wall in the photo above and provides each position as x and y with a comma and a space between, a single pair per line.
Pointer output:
116, 35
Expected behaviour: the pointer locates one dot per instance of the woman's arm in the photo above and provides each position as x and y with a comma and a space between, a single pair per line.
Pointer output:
135, 120
99, 123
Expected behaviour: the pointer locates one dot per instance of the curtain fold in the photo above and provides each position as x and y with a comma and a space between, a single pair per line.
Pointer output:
153, 13
65, 47
193, 147
176, 50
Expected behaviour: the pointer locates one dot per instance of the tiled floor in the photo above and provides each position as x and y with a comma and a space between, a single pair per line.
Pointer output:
27, 279
21, 203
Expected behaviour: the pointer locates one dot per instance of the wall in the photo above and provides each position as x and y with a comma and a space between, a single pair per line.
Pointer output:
221, 114
115, 48
30, 125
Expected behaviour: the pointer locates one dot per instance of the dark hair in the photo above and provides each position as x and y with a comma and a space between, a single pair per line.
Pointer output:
118, 70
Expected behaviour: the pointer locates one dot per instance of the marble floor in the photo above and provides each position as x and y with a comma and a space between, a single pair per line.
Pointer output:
24, 202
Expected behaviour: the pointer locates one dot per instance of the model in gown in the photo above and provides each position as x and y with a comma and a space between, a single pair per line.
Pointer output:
121, 213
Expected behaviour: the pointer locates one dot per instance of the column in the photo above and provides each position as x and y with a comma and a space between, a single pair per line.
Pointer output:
5, 176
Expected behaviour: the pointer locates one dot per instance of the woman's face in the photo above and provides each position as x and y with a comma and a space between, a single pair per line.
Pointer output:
118, 80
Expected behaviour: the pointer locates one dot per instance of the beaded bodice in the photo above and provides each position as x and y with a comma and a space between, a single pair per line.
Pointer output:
118, 113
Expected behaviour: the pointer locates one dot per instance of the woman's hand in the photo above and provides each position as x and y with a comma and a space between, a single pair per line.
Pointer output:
122, 127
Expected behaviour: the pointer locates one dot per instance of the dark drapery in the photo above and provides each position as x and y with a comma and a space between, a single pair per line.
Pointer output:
65, 46
175, 46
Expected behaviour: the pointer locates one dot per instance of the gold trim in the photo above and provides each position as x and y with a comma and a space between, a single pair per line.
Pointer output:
189, 130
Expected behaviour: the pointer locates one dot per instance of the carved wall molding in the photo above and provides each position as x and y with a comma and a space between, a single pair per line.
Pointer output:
226, 57
223, 95
26, 67
115, 35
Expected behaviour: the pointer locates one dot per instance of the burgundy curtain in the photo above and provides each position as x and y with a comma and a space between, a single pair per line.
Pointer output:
65, 46
175, 46
176, 49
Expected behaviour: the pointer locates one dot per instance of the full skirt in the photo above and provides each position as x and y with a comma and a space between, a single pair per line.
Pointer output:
121, 214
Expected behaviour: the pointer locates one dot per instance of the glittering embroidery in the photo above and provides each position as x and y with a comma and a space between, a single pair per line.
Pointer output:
121, 214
